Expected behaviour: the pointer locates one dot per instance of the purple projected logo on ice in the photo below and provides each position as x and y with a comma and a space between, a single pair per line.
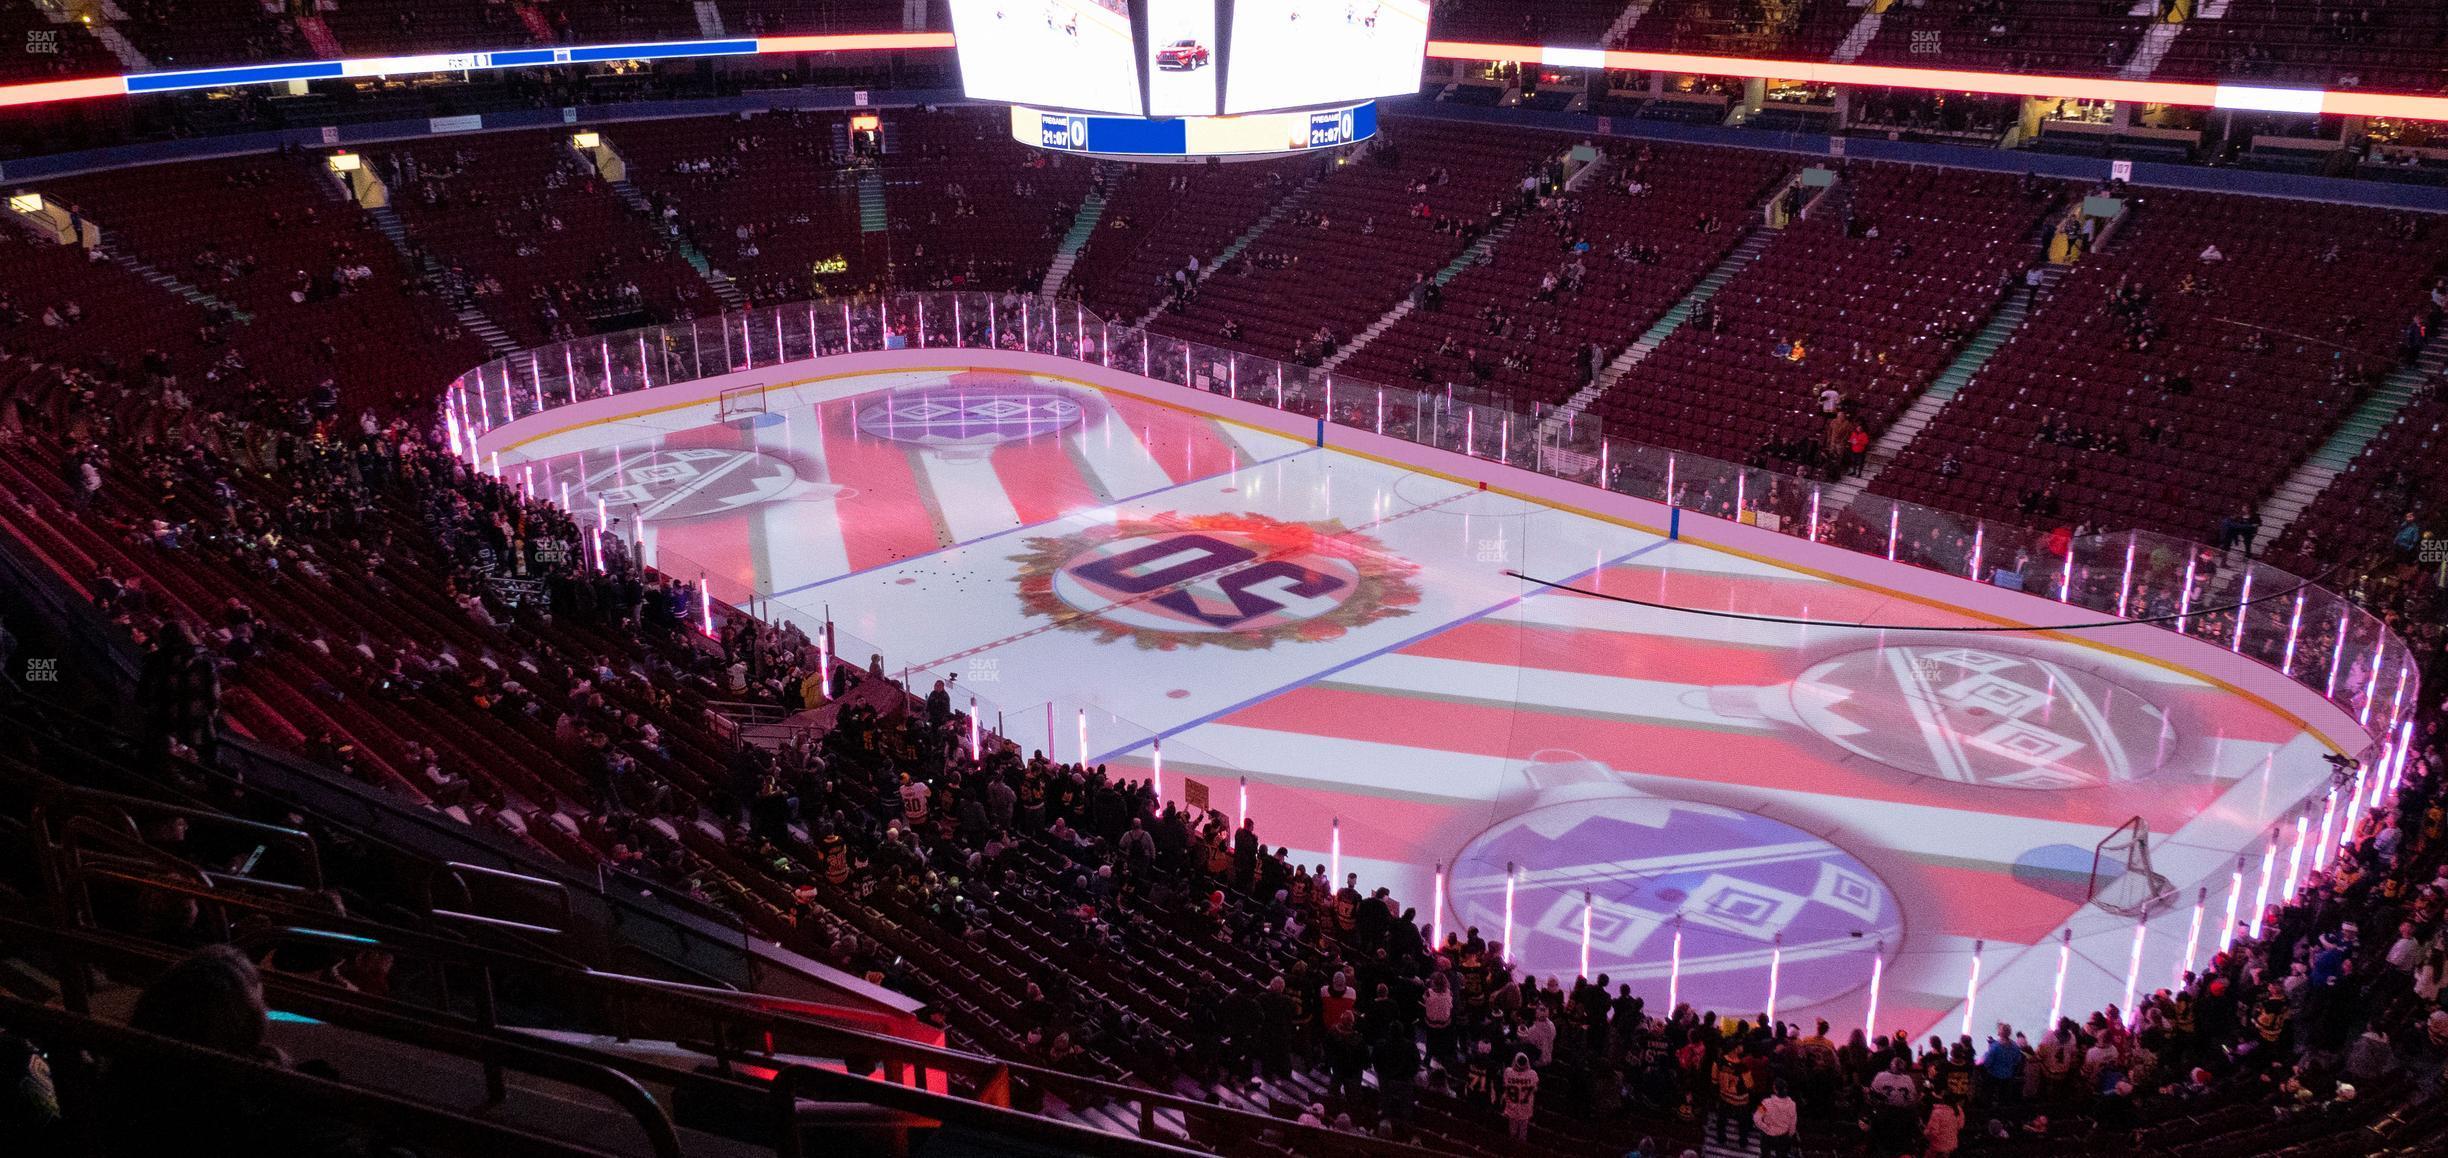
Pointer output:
1743, 886
1977, 715
1243, 582
970, 416
671, 485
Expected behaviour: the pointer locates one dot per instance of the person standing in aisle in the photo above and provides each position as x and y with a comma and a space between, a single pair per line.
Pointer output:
1520, 1096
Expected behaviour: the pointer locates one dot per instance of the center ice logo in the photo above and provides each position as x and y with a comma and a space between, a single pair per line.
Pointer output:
1236, 581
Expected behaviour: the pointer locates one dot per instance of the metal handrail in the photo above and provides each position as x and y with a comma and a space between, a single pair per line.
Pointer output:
295, 1091
989, 1109
459, 871
72, 860
301, 842
757, 1015
613, 1073
362, 932
754, 711
728, 1016
722, 1018
790, 1083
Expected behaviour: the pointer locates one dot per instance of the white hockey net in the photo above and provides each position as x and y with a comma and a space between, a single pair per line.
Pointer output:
2122, 880
739, 402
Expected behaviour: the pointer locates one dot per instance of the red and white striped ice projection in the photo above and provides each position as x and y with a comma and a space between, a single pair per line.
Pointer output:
1773, 798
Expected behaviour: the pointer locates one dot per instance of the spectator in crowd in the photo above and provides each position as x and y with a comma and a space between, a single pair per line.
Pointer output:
1521, 1083
179, 693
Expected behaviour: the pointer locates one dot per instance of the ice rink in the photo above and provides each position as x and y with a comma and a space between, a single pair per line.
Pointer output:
1728, 806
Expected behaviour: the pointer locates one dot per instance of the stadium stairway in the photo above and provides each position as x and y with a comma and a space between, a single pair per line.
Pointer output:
320, 38
1968, 362
872, 215
1674, 317
1478, 251
1625, 21
724, 285
2152, 50
2314, 474
1223, 257
473, 320
539, 26
1083, 224
128, 261
120, 46
1858, 40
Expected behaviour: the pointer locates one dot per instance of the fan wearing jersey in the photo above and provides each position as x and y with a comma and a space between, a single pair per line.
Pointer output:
1520, 1096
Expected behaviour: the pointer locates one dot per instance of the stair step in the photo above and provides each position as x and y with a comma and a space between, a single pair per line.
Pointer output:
1743, 254
319, 38
1233, 248
1959, 372
1472, 255
120, 46
873, 217
2346, 442
1067, 254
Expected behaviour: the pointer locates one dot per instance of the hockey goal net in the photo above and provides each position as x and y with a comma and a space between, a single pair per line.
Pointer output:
2122, 879
739, 402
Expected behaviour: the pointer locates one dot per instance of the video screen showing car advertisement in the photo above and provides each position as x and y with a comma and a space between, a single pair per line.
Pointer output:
1307, 52
1181, 58
1069, 54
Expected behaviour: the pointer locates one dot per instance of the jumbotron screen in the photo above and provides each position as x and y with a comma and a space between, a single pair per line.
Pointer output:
1070, 54
1178, 58
1287, 53
1182, 59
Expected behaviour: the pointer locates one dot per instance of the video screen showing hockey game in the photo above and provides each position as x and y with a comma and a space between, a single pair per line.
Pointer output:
1287, 53
1066, 54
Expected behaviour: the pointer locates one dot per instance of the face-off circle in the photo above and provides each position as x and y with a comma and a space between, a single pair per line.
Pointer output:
1238, 581
970, 416
1985, 716
676, 485
1743, 884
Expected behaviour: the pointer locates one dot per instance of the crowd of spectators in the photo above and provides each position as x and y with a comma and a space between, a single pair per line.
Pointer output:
880, 800
2336, 999
885, 800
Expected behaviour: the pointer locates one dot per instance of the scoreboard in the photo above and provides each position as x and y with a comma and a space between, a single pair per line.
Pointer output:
1188, 58
1184, 138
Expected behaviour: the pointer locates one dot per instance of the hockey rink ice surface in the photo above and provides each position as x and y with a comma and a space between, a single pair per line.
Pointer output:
1751, 799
